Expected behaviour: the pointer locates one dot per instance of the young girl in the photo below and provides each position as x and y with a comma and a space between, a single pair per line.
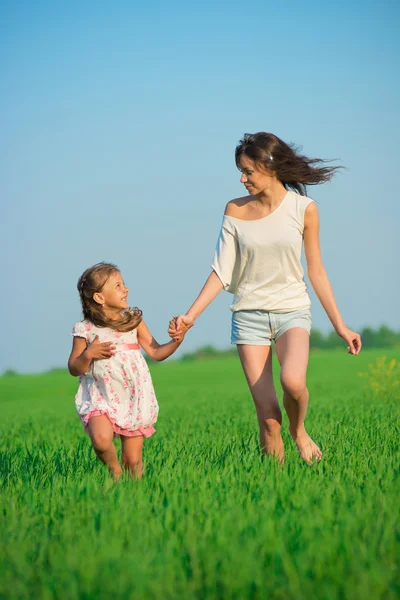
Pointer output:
115, 394
258, 260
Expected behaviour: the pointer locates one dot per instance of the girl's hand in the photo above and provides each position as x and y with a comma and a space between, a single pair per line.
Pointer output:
353, 339
173, 332
99, 349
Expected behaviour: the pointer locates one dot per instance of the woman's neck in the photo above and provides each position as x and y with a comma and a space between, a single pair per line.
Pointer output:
272, 196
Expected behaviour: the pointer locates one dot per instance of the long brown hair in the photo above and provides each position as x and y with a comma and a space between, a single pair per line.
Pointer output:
289, 166
92, 281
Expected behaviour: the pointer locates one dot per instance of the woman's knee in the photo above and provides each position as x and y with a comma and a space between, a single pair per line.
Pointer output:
293, 385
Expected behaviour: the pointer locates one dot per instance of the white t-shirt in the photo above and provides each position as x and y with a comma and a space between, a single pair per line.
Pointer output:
259, 261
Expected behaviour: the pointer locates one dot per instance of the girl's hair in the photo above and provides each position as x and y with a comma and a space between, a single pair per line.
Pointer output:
92, 281
284, 160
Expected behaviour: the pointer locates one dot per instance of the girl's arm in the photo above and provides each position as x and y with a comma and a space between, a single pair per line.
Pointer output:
320, 282
208, 293
155, 350
82, 355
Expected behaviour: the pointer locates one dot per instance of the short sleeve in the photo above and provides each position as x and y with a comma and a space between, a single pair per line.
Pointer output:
225, 260
302, 203
78, 330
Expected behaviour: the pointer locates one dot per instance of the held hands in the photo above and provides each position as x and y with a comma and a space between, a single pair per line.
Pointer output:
353, 340
99, 349
178, 327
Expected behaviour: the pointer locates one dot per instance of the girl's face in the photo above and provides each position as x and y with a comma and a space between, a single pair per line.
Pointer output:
114, 294
253, 179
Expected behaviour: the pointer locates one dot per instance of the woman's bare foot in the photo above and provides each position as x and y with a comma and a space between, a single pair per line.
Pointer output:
307, 448
279, 451
275, 449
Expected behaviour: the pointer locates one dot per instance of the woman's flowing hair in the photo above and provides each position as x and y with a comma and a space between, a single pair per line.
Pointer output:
92, 281
294, 170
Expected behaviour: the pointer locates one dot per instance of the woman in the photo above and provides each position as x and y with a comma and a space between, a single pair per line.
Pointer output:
257, 259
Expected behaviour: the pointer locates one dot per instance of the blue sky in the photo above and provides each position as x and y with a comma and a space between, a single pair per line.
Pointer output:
118, 125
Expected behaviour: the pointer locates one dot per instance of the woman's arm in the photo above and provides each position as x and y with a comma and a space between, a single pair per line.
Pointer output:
150, 345
223, 266
319, 279
208, 293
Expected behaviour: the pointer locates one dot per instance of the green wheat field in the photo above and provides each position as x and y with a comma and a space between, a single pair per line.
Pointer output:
211, 518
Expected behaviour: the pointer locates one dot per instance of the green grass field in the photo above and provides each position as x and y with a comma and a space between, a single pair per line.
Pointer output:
211, 519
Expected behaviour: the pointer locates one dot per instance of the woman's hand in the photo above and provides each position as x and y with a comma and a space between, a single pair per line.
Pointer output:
353, 340
99, 349
177, 329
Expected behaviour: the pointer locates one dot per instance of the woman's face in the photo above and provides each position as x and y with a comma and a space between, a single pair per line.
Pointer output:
253, 178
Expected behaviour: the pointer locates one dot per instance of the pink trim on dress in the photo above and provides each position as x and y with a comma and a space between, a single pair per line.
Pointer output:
123, 347
145, 431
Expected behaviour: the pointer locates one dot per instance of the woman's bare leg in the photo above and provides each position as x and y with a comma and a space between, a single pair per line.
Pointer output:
292, 349
101, 433
257, 366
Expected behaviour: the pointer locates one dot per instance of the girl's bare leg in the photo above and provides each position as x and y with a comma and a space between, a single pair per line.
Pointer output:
257, 365
292, 349
101, 433
132, 455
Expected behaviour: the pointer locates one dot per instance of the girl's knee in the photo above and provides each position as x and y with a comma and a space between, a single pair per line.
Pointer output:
101, 441
132, 462
134, 465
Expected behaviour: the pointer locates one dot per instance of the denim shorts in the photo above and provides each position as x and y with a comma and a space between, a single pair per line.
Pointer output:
260, 327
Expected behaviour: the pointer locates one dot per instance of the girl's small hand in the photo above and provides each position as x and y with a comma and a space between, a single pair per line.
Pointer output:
176, 335
353, 339
172, 327
100, 349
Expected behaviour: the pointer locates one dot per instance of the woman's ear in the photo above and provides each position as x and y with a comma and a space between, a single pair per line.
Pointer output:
98, 298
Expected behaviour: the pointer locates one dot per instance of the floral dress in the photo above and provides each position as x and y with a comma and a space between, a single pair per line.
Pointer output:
119, 387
